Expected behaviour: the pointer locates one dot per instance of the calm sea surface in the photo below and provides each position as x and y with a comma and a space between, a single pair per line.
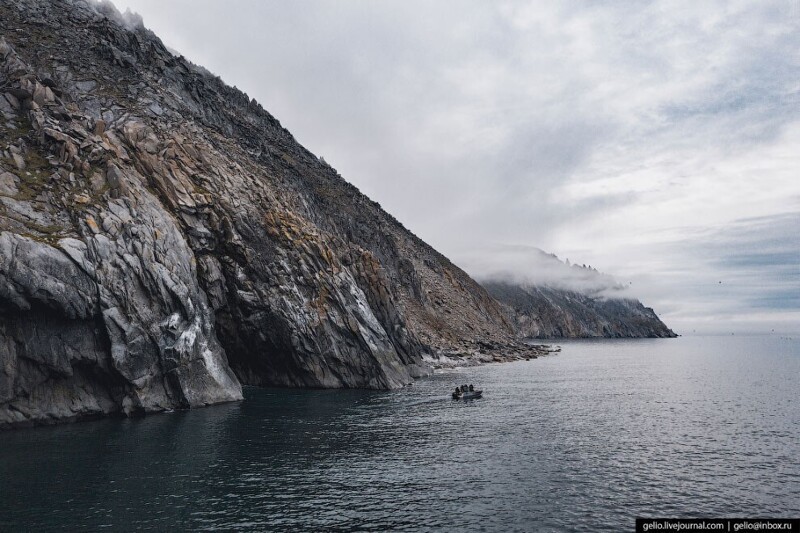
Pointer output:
585, 440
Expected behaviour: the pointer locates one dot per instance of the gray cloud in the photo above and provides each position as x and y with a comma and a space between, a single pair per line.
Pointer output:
621, 134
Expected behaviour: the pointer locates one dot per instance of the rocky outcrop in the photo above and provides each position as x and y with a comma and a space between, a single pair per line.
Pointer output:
164, 240
547, 298
545, 312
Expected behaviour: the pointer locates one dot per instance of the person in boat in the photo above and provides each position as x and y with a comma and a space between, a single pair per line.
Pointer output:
457, 392
471, 388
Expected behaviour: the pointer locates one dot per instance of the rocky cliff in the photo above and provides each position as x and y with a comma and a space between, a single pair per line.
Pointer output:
550, 313
164, 240
560, 300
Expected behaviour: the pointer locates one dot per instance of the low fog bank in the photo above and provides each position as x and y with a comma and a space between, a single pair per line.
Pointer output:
130, 20
528, 266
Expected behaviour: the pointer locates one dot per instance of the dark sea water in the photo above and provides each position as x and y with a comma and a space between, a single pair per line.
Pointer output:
582, 441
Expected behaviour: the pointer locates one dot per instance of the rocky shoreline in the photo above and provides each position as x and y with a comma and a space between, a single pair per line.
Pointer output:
486, 352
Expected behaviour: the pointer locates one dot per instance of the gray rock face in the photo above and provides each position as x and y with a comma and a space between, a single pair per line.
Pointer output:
163, 239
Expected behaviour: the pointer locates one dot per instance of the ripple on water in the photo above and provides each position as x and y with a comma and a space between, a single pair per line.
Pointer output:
588, 439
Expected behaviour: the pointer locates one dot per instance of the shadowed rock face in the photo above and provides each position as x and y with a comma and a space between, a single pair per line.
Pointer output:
547, 313
163, 239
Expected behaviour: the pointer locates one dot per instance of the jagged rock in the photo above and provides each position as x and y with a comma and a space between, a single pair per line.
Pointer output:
8, 184
19, 161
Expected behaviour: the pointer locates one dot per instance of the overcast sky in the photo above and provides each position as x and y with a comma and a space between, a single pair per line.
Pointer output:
656, 141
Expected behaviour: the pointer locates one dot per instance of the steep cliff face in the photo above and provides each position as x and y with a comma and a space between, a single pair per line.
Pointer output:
163, 239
